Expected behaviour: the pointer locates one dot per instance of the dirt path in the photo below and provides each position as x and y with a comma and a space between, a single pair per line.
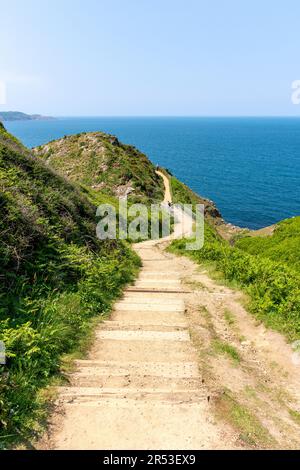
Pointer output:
179, 365
252, 372
141, 387
167, 197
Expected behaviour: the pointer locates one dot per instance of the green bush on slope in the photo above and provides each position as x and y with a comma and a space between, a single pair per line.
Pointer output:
273, 287
99, 161
55, 276
283, 245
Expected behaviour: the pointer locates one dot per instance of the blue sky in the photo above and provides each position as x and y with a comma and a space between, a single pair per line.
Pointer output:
150, 57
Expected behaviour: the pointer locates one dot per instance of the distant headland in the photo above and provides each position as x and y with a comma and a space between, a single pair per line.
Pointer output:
19, 116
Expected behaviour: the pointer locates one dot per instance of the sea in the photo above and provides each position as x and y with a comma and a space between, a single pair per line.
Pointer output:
250, 167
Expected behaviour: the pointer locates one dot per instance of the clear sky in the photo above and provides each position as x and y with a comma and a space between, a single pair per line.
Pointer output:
150, 57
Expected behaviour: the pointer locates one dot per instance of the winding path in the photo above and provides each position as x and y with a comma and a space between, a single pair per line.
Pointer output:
140, 387
167, 196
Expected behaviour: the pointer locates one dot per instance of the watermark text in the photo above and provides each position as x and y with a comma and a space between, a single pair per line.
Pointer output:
296, 92
139, 222
2, 92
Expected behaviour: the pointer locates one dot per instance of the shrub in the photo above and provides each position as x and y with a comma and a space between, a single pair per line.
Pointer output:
273, 286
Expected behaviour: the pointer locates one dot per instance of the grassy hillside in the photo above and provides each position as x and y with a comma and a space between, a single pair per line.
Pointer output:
99, 161
105, 170
283, 245
266, 268
55, 276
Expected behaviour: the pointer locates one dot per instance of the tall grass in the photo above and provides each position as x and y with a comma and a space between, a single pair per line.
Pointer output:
50, 324
56, 276
283, 245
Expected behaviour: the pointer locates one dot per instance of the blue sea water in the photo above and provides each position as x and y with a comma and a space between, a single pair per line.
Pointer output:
250, 167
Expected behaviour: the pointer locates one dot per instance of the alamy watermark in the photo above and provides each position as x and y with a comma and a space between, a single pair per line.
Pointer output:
139, 222
296, 92
2, 92
296, 353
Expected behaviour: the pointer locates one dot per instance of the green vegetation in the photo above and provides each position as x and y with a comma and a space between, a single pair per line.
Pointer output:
100, 162
106, 169
229, 317
225, 348
18, 116
252, 432
283, 245
55, 277
295, 415
266, 268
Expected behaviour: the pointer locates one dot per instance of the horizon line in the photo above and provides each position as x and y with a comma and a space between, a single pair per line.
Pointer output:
75, 116
172, 115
